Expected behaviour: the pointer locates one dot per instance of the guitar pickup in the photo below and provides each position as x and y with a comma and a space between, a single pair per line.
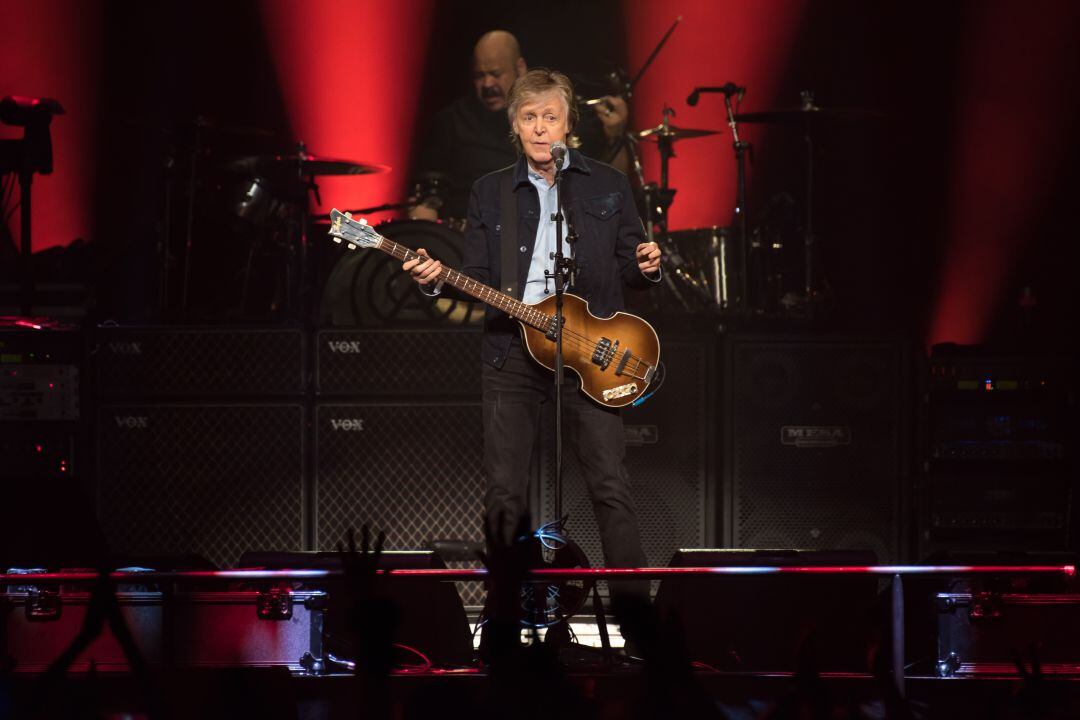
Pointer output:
551, 333
604, 351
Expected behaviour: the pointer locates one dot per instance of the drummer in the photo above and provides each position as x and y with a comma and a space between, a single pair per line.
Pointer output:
471, 137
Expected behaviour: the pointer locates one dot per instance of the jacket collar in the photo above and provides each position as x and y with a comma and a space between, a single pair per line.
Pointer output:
578, 163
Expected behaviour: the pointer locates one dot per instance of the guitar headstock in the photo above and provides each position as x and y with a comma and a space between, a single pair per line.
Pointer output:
357, 233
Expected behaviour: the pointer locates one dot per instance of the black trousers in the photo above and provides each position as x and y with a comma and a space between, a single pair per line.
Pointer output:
512, 400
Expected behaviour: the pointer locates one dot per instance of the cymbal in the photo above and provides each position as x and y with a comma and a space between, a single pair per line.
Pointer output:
673, 133
305, 164
804, 113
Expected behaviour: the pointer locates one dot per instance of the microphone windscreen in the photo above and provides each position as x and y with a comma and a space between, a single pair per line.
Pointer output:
558, 151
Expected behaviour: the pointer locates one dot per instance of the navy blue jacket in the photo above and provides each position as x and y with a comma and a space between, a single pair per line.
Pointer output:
599, 203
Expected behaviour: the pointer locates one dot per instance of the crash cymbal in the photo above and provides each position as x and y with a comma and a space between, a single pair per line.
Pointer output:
305, 165
673, 133
804, 113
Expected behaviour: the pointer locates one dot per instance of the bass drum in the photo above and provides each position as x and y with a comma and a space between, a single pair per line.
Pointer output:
367, 288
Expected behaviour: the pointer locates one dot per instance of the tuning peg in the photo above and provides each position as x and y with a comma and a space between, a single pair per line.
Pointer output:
351, 246
348, 215
337, 239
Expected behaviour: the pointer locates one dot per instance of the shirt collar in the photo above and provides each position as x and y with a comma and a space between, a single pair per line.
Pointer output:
574, 161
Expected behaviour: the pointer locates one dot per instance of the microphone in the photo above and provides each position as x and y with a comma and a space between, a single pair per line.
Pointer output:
692, 99
558, 153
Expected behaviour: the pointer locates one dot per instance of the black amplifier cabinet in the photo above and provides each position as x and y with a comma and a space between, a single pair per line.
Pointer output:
419, 362
210, 361
214, 478
816, 443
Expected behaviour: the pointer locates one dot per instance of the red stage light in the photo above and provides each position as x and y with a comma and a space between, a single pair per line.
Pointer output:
350, 73
51, 48
1012, 116
716, 42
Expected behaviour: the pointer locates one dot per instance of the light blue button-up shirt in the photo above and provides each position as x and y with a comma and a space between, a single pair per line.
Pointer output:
537, 287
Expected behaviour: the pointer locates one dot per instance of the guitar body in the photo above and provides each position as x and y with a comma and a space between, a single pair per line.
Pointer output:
616, 383
616, 357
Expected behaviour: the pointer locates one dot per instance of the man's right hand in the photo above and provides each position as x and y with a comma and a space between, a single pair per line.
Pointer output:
424, 269
423, 212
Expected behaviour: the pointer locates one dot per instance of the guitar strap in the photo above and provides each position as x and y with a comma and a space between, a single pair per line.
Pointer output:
508, 218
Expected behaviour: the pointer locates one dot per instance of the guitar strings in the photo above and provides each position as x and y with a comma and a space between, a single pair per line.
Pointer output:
581, 342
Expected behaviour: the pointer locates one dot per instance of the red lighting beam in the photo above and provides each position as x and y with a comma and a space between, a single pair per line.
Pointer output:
1013, 115
51, 48
716, 42
350, 71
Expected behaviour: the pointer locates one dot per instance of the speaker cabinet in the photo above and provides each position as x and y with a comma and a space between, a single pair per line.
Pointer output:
214, 361
815, 444
412, 470
402, 363
669, 457
211, 479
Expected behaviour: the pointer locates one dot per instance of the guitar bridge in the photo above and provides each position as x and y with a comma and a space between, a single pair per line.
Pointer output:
604, 352
622, 362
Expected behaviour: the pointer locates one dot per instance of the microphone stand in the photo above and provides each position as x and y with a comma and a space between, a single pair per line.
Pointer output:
563, 275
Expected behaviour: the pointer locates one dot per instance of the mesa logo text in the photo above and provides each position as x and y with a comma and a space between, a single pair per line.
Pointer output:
815, 436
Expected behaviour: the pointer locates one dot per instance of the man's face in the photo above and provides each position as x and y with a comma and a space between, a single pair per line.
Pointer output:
493, 74
539, 122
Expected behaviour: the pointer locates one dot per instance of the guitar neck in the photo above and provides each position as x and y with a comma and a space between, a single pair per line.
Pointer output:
514, 308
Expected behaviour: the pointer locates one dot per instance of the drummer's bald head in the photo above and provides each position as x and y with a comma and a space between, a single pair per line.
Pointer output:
498, 41
497, 62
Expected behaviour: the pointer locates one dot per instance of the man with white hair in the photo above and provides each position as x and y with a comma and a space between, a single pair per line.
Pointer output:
610, 252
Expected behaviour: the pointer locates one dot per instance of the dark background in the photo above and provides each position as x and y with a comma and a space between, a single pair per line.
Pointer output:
885, 188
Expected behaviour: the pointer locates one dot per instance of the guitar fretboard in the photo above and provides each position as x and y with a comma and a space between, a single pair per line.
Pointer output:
514, 308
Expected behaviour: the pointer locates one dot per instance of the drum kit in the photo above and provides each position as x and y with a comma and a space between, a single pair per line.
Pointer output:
730, 271
711, 269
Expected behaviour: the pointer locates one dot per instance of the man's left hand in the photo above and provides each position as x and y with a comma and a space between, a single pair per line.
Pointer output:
648, 257
613, 113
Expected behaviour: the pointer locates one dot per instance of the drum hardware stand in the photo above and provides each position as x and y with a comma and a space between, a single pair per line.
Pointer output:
189, 225
665, 195
165, 234
809, 240
740, 148
655, 207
